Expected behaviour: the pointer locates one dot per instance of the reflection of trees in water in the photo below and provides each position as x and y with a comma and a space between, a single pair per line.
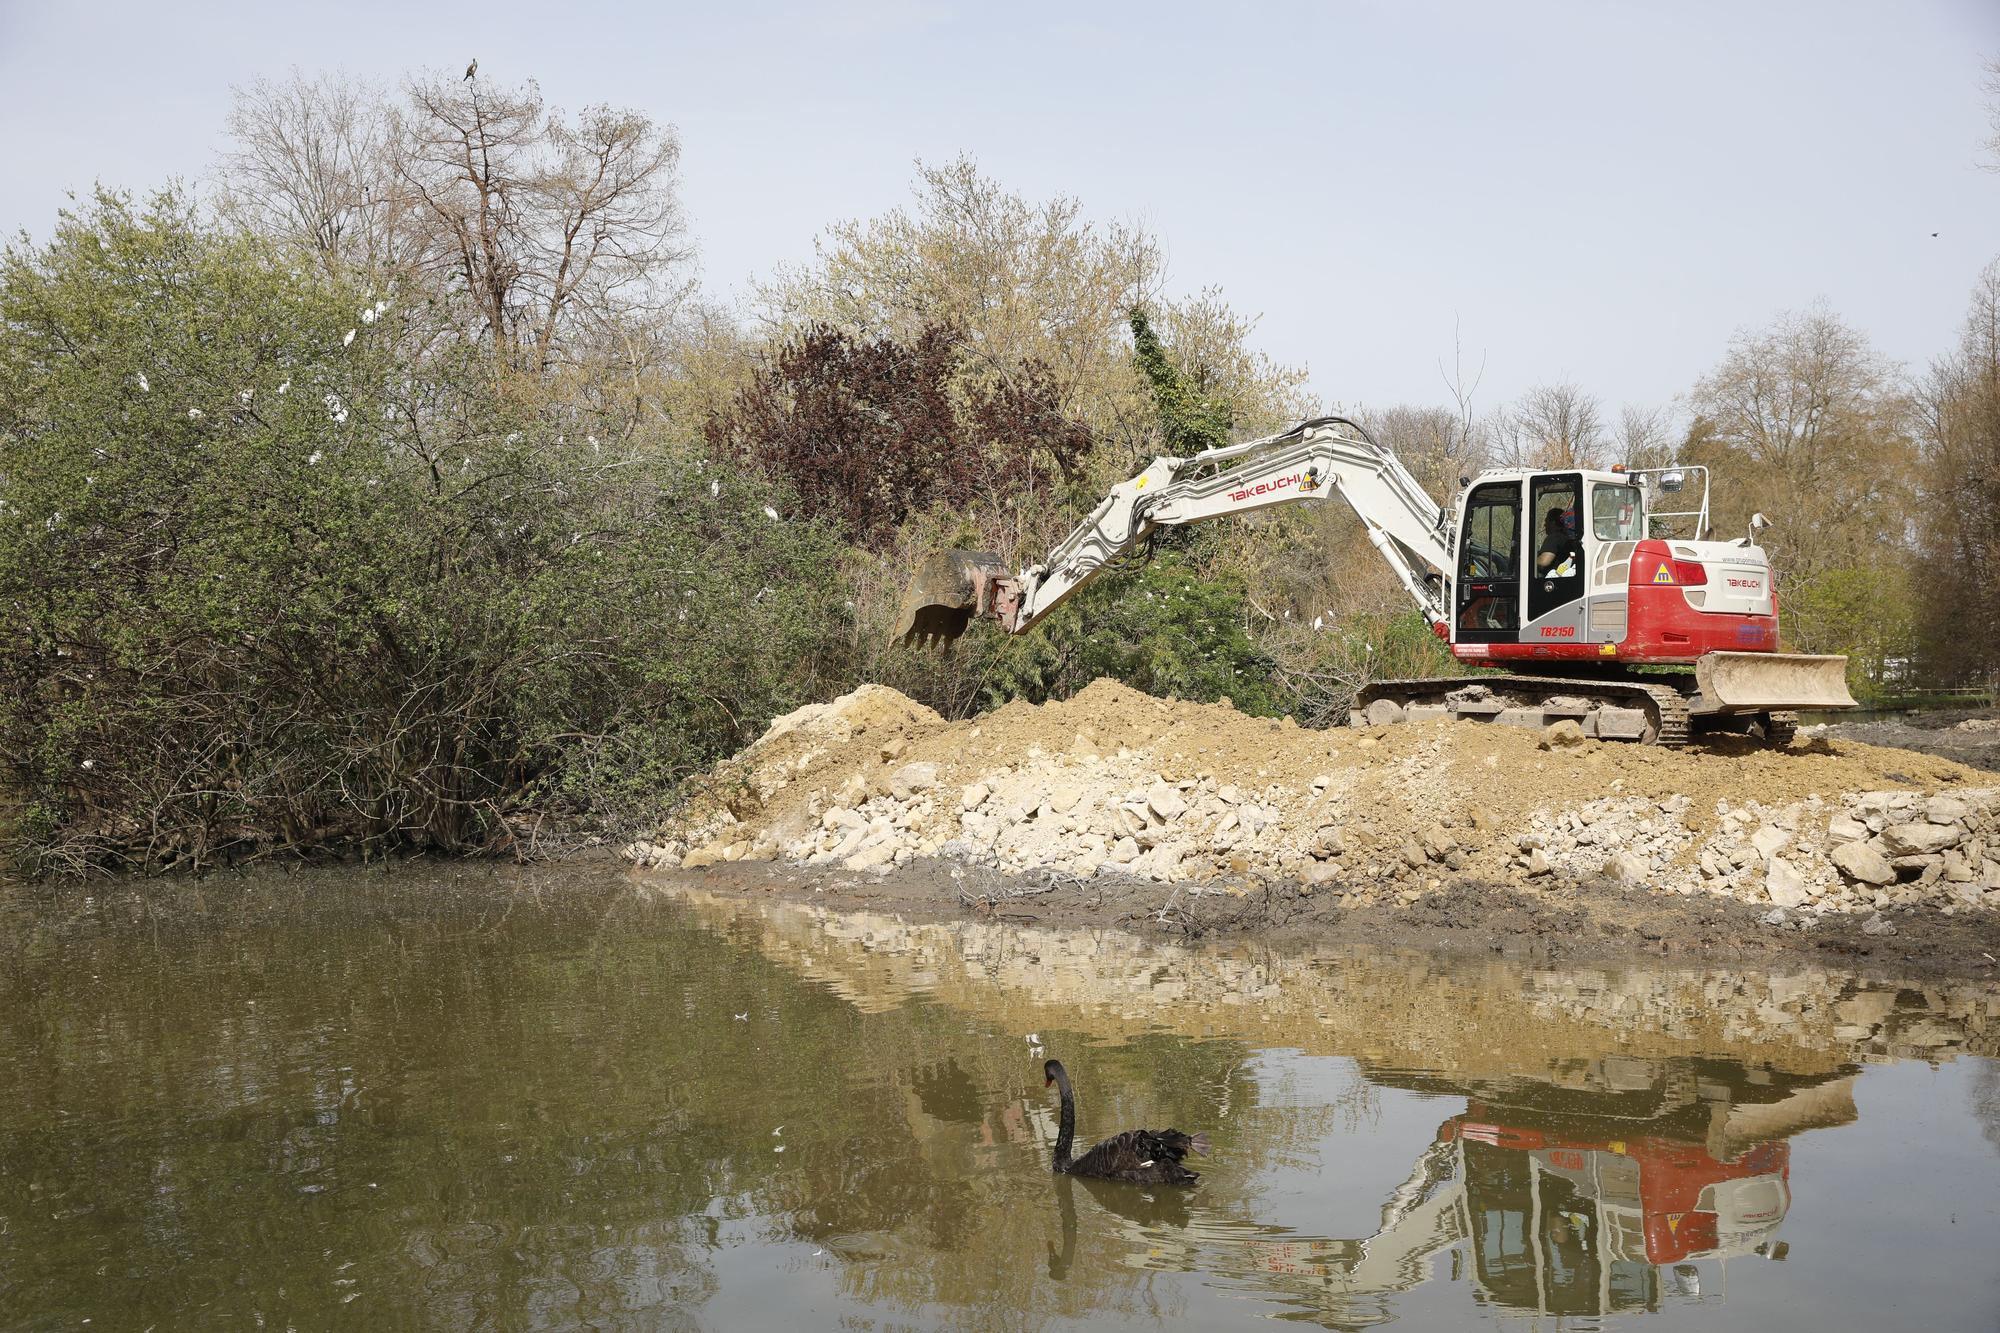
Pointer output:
1986, 1099
473, 1115
499, 1110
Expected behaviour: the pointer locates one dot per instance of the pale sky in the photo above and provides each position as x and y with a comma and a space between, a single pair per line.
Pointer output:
1599, 192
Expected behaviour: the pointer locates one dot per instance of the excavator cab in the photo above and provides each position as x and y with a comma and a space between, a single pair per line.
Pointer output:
1528, 561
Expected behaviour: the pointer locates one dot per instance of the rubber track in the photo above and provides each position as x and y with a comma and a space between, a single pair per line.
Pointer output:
1666, 704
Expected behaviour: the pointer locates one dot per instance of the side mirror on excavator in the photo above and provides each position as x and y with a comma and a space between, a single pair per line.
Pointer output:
1757, 525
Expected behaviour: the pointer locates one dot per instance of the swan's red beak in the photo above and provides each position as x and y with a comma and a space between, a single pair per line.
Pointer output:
1048, 1082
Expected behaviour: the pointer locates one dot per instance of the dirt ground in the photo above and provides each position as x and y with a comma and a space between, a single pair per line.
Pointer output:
1588, 923
1969, 738
1115, 808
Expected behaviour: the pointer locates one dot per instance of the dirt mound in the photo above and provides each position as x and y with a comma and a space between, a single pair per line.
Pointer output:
1115, 781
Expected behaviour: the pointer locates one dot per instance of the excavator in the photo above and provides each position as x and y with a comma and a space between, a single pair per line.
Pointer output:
1568, 587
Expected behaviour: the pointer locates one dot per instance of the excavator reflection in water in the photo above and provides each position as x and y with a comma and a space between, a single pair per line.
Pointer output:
1569, 1225
1615, 1185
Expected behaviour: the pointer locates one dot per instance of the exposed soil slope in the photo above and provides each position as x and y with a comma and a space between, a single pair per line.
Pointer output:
1117, 783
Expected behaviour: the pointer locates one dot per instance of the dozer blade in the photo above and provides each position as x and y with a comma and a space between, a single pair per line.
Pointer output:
1761, 682
945, 594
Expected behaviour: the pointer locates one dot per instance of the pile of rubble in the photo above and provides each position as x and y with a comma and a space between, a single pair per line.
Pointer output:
1116, 783
1869, 850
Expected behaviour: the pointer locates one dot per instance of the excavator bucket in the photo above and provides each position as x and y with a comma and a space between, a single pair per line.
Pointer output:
945, 594
1788, 682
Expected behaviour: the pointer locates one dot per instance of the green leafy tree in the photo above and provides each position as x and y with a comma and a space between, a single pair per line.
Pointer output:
277, 575
1168, 630
1189, 421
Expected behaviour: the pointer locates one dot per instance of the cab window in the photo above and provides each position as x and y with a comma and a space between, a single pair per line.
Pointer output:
1492, 522
1558, 552
1614, 513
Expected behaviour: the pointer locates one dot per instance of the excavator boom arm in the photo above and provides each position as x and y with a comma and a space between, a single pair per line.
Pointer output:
1311, 461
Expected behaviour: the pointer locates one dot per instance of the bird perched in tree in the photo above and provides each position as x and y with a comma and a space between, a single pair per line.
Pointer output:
471, 69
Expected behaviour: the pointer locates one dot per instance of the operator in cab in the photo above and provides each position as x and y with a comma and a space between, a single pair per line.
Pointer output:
1561, 554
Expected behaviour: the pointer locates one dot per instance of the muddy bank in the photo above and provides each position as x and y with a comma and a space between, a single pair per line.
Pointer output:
1601, 923
1969, 738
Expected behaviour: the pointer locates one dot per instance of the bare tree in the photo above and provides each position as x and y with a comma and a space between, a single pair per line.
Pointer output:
1646, 437
544, 224
547, 234
314, 162
1958, 523
1437, 444
1993, 114
1809, 398
1028, 280
1553, 426
1806, 422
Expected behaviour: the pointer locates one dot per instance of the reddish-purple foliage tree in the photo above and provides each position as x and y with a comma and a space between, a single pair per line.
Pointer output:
868, 430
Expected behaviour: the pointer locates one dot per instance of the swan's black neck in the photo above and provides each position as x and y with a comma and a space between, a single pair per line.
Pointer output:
1066, 1129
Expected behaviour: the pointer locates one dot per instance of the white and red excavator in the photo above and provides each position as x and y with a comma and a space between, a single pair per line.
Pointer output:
1564, 583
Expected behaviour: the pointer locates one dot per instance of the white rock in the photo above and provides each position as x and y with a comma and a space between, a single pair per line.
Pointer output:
1629, 868
1165, 801
1064, 797
1944, 810
1860, 861
1843, 829
1768, 841
1917, 839
971, 798
912, 778
1783, 883
873, 855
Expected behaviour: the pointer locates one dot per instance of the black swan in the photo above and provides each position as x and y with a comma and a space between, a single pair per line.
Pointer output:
1142, 1156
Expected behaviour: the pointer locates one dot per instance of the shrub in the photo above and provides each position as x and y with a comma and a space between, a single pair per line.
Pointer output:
1321, 670
279, 573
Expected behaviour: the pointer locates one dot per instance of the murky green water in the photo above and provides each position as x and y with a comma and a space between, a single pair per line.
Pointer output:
559, 1099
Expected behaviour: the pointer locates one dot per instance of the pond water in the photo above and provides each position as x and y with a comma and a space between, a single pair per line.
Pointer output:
560, 1098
